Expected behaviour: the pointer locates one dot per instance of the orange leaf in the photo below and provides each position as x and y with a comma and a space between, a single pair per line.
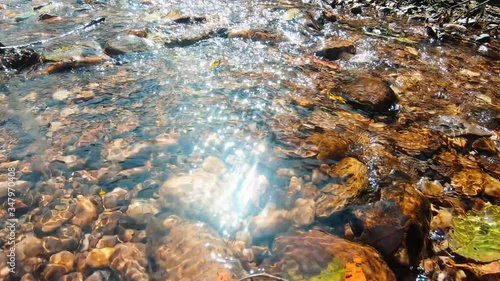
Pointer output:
353, 270
223, 276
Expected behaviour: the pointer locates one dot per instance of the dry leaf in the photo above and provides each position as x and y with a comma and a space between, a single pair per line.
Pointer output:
411, 50
354, 271
223, 276
479, 269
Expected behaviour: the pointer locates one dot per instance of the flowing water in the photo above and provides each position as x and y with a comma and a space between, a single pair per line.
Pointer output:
197, 105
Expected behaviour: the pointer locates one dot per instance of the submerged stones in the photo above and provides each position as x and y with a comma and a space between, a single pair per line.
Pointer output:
130, 262
254, 35
18, 58
127, 44
472, 182
293, 255
98, 258
352, 178
52, 220
362, 90
337, 174
329, 146
85, 212
268, 223
189, 251
209, 196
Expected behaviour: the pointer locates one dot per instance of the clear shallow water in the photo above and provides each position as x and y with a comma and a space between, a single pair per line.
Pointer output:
159, 114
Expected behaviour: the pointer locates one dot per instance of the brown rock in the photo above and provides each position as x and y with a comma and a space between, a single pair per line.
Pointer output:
303, 102
64, 258
53, 244
304, 211
99, 257
85, 95
306, 254
67, 239
416, 141
139, 210
268, 223
415, 208
334, 47
108, 222
138, 32
185, 251
126, 235
320, 175
129, 261
442, 220
115, 198
107, 241
4, 268
27, 277
485, 145
353, 178
254, 35
53, 272
474, 181
74, 276
370, 94
351, 173
29, 247
80, 261
294, 188
52, 220
330, 146
85, 213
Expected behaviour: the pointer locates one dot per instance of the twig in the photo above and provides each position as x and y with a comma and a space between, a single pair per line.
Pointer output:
263, 275
90, 24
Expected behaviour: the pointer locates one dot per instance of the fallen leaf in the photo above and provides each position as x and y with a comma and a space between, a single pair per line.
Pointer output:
354, 271
223, 276
477, 235
336, 98
102, 193
411, 50
215, 64
479, 269
404, 40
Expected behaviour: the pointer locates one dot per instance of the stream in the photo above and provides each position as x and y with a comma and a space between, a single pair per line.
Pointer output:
215, 139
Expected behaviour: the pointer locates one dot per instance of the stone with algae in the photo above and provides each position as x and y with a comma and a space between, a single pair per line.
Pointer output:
477, 235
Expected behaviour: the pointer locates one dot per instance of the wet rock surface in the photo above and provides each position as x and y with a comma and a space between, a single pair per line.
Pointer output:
127, 44
208, 140
182, 248
323, 249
